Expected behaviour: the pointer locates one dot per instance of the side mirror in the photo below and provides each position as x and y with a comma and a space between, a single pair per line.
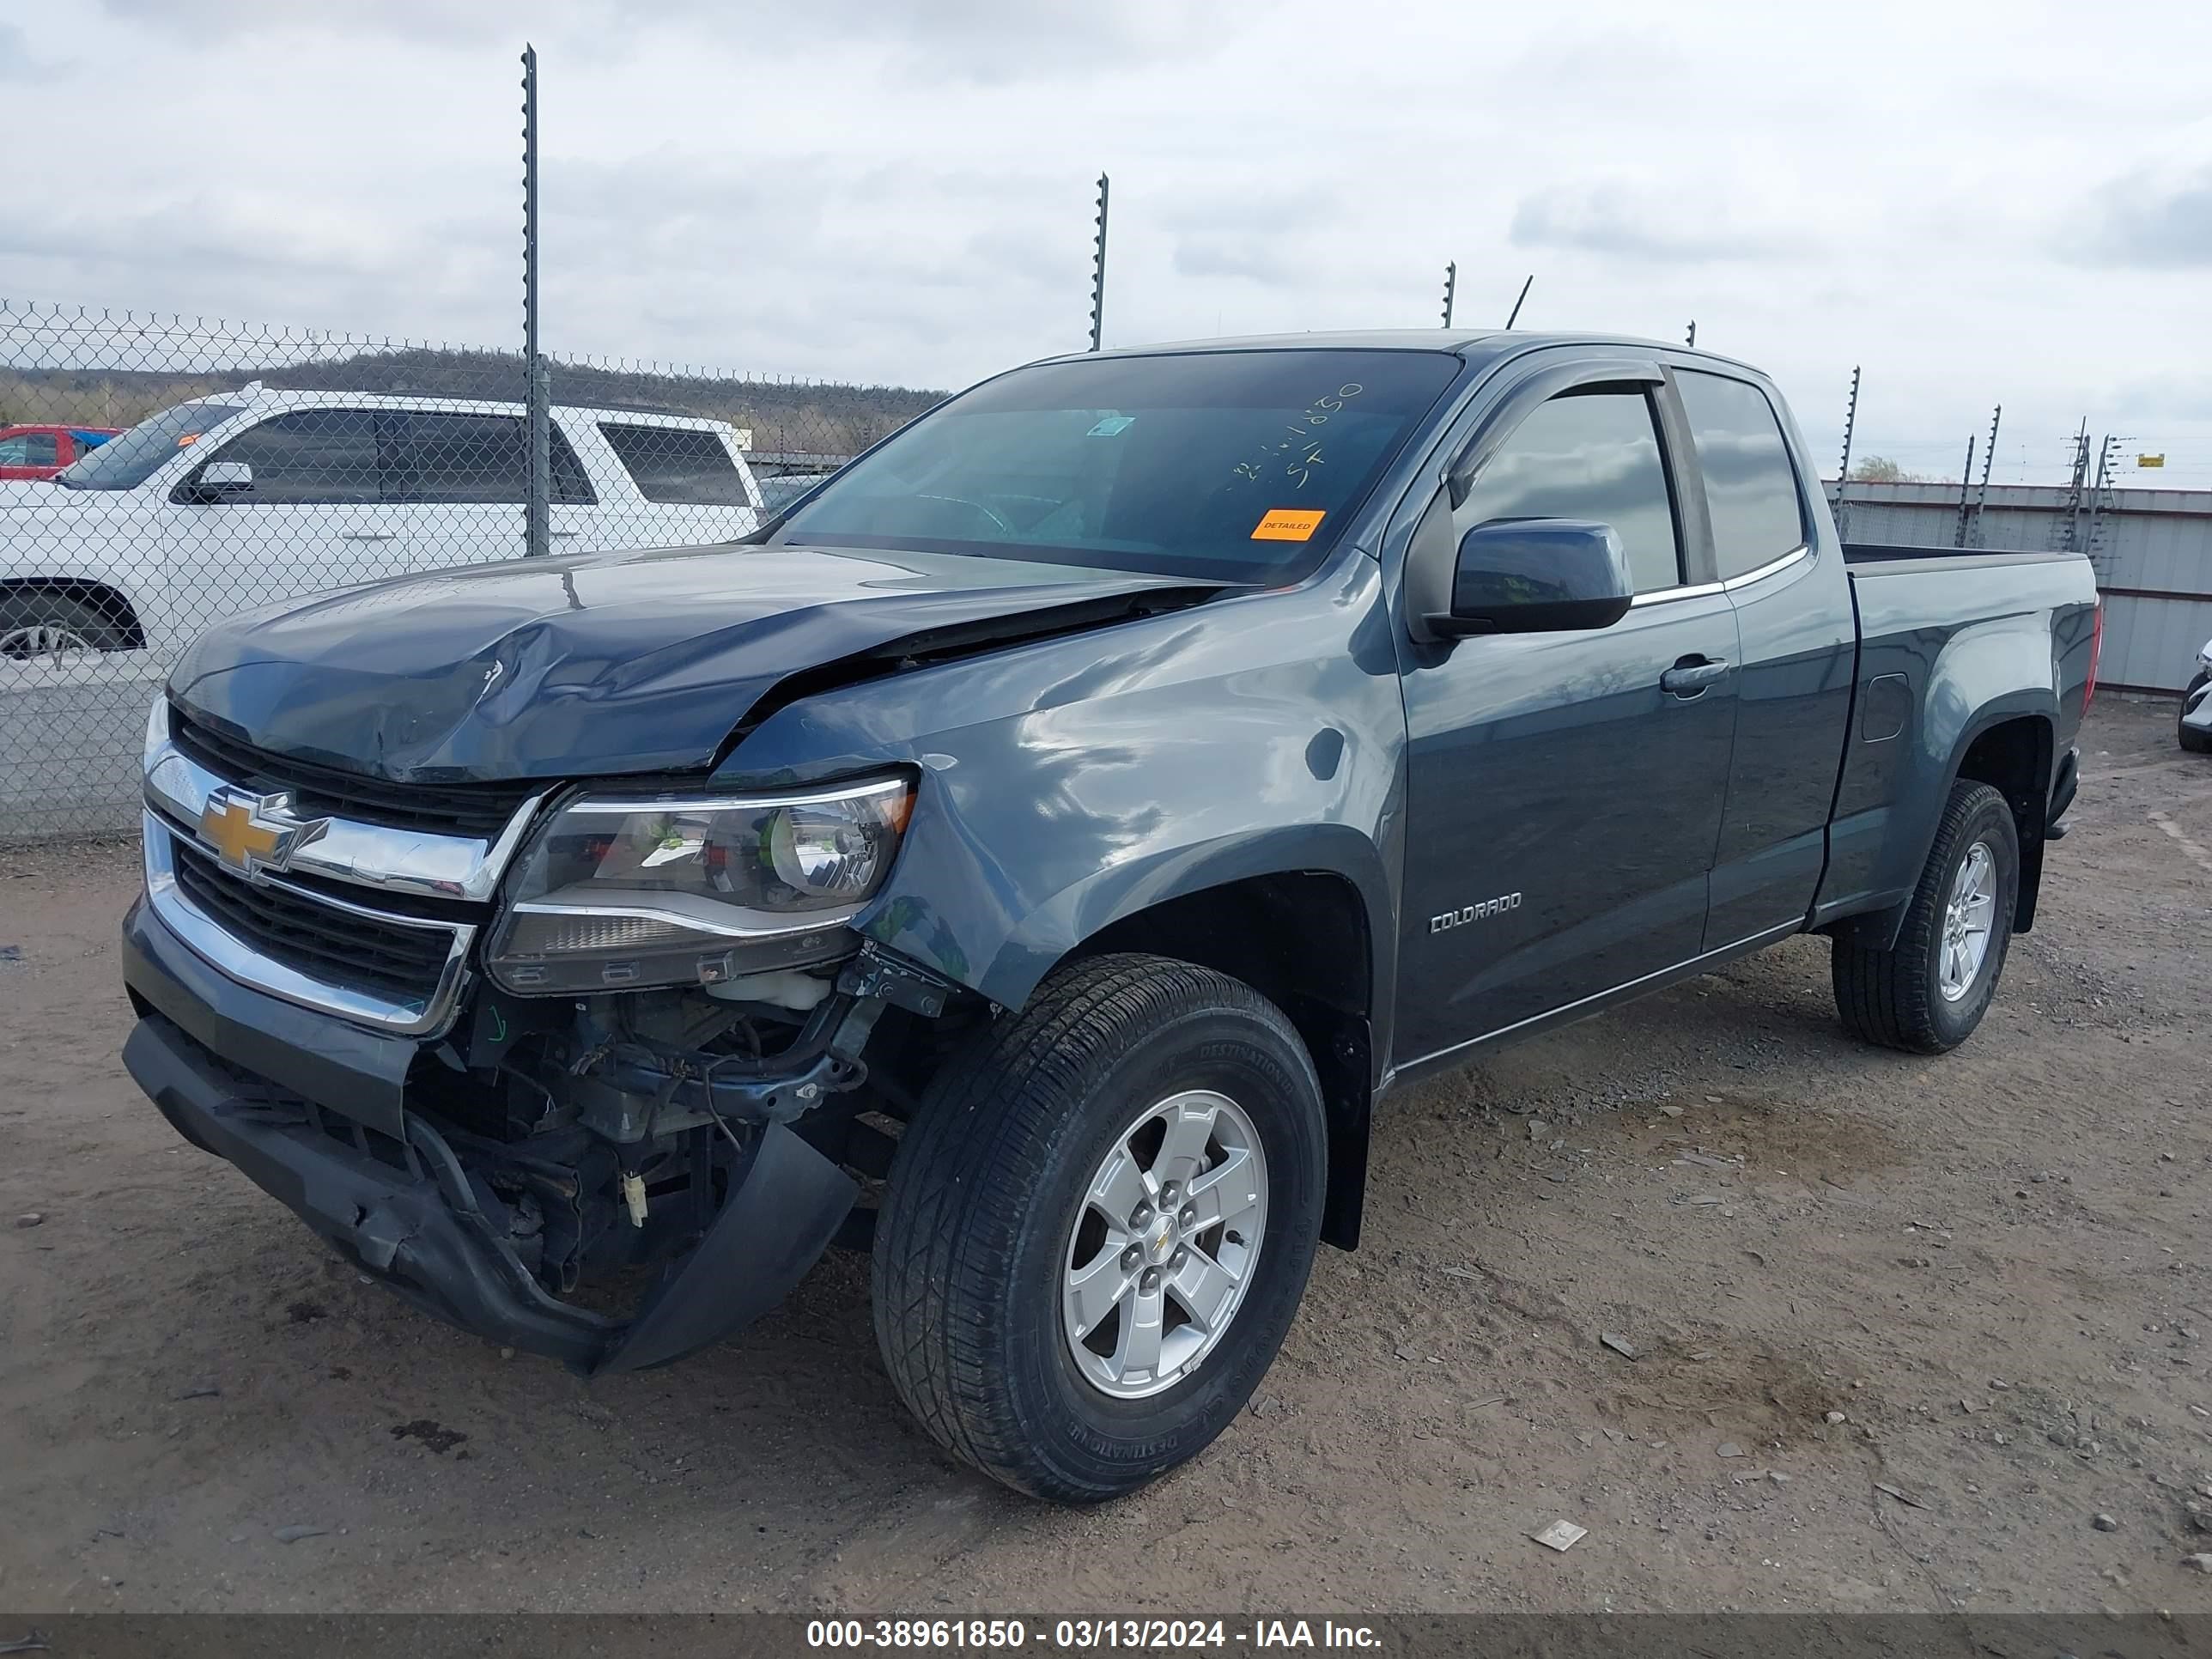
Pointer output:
219, 481
1536, 576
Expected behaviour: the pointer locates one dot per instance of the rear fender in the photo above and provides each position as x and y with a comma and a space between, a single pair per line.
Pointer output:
1893, 791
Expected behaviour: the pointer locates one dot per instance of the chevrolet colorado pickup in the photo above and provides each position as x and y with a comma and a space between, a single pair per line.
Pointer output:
1033, 856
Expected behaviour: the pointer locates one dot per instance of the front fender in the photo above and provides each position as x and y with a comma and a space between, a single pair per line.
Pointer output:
1084, 907
1068, 782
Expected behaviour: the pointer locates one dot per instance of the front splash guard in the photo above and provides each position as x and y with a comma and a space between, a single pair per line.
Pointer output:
773, 1228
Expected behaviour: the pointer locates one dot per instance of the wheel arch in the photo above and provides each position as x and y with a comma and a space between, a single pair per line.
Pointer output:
1303, 939
2013, 755
2010, 745
112, 602
1302, 913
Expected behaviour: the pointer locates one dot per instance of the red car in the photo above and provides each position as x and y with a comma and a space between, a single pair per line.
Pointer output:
39, 451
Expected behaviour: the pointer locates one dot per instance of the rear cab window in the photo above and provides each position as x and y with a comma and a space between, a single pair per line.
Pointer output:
1751, 489
676, 463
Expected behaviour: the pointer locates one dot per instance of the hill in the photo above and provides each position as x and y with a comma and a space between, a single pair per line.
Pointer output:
783, 414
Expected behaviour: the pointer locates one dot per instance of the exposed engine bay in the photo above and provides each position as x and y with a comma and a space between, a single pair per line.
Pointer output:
608, 1134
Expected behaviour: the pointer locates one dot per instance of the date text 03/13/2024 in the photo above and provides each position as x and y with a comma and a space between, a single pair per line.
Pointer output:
1084, 1634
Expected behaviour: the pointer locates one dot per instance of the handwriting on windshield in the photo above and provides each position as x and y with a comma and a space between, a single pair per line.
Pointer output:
1298, 451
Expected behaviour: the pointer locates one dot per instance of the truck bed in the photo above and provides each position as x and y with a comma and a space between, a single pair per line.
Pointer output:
1949, 639
1866, 553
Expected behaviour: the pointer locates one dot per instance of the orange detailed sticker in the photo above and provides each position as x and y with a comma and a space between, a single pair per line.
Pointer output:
1288, 524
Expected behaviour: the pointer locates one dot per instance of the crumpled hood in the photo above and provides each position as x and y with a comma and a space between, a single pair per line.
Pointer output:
544, 668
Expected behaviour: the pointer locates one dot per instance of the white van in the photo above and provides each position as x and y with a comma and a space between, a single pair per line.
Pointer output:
242, 498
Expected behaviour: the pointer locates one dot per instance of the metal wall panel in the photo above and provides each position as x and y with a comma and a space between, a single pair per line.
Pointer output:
2154, 555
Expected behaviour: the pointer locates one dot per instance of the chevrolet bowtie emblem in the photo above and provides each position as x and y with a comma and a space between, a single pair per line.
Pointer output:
255, 833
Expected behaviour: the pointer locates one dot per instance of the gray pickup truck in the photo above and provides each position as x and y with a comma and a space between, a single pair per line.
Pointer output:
1033, 856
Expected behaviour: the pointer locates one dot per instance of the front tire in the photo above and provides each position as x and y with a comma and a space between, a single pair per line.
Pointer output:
1099, 1225
1927, 993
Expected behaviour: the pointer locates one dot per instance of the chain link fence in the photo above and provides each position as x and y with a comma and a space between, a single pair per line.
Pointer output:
158, 474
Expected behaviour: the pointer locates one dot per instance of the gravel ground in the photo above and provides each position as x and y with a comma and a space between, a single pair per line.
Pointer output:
1903, 1334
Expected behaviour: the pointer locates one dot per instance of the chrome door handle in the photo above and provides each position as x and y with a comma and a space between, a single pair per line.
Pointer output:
367, 536
1689, 677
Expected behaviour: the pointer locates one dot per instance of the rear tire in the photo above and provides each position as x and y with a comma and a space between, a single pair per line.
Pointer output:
1015, 1196
37, 623
1927, 993
2195, 742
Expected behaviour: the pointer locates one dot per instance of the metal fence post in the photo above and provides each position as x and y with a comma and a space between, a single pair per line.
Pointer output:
1843, 466
1982, 496
538, 529
1966, 498
2067, 527
1098, 270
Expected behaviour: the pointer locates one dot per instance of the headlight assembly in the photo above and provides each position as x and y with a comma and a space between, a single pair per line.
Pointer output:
157, 731
620, 891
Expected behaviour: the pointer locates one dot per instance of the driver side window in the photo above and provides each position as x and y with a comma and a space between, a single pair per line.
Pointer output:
310, 455
1587, 454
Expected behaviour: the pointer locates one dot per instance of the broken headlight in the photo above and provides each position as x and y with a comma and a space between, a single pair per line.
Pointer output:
616, 892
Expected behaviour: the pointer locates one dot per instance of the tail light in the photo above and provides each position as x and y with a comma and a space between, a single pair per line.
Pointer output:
2096, 649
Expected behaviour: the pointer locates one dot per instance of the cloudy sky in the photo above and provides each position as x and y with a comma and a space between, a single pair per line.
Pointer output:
1979, 204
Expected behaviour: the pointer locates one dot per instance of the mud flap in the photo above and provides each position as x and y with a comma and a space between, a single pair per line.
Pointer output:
772, 1229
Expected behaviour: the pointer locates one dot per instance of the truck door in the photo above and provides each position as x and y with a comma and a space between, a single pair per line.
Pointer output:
305, 514
1565, 790
31, 455
459, 480
1795, 619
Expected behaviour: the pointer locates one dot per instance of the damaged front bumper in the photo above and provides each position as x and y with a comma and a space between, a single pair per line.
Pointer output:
314, 1112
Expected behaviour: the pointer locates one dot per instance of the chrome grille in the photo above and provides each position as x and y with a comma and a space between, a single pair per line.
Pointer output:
317, 939
368, 919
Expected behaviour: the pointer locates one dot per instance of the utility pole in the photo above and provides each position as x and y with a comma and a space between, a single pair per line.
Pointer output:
1517, 304
1098, 270
537, 527
1452, 286
1692, 338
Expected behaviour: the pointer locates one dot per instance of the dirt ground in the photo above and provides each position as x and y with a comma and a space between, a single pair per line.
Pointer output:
1908, 1334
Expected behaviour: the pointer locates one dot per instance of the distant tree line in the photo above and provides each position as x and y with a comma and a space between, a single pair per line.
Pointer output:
1880, 468
808, 415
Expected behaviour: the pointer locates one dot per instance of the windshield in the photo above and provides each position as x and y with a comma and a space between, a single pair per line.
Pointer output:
126, 462
1239, 466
